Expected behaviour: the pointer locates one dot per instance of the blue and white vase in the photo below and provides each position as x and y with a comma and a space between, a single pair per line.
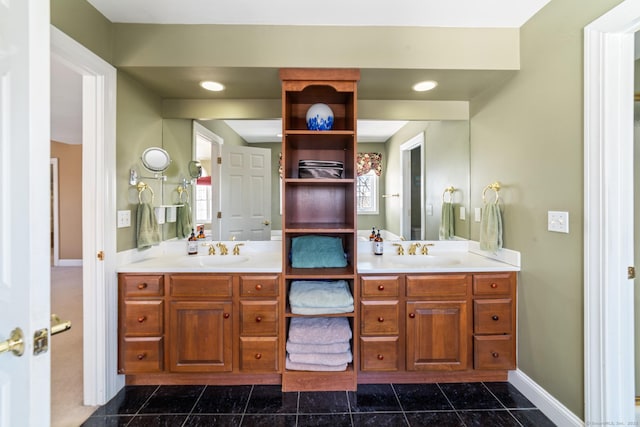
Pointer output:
319, 117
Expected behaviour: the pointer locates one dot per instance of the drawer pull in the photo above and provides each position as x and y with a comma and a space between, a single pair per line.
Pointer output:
412, 315
380, 319
380, 357
142, 319
258, 356
258, 287
142, 286
495, 354
141, 356
225, 315
495, 317
381, 287
494, 285
258, 319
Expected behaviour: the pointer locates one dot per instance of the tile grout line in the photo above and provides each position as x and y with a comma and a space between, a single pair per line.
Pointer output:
141, 406
246, 405
194, 405
455, 410
502, 403
404, 414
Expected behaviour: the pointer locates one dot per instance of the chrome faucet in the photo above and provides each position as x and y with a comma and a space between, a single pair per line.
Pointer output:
236, 248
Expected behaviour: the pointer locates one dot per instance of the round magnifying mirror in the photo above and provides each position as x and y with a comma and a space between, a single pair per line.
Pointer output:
155, 159
195, 169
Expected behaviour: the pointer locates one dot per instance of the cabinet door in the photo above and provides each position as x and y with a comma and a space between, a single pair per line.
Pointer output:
200, 336
437, 336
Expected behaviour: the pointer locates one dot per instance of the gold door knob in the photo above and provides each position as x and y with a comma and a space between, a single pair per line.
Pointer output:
266, 222
14, 344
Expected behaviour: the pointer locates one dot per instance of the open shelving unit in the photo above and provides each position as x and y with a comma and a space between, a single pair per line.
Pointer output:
319, 206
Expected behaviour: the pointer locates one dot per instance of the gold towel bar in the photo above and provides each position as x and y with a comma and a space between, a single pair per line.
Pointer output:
495, 186
141, 187
449, 190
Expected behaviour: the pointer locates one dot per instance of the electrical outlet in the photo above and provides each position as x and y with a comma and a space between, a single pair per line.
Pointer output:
558, 221
124, 219
463, 213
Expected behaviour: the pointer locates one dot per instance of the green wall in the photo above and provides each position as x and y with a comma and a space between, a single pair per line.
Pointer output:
528, 135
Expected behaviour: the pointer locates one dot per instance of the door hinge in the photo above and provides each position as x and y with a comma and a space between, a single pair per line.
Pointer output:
219, 160
100, 255
631, 272
219, 215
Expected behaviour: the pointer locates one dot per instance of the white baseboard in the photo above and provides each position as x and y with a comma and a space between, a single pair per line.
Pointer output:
549, 405
69, 263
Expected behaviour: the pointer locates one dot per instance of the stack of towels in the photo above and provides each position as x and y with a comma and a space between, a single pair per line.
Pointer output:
320, 297
319, 344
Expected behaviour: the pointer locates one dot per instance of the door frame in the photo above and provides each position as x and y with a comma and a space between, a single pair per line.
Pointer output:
405, 200
55, 220
215, 173
608, 215
100, 321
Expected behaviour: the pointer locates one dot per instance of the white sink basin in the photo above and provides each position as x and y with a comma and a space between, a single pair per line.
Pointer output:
211, 260
424, 260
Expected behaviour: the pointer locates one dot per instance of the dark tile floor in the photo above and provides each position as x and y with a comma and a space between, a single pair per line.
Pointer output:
460, 404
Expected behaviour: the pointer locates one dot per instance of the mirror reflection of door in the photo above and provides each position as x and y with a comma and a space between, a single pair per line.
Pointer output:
412, 197
636, 178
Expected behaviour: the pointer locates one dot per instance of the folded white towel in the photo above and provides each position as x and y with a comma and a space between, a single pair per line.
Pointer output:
331, 359
319, 330
339, 347
295, 366
321, 310
320, 293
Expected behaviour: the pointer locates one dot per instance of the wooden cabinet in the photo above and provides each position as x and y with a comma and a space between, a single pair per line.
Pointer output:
494, 320
380, 319
319, 206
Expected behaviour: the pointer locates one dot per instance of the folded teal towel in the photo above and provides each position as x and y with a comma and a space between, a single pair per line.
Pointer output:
147, 226
491, 228
317, 251
183, 221
446, 224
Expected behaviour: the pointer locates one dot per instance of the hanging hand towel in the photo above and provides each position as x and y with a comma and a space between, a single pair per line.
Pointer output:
183, 221
147, 226
446, 231
491, 228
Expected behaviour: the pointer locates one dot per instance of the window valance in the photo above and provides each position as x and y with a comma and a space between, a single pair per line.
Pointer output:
366, 162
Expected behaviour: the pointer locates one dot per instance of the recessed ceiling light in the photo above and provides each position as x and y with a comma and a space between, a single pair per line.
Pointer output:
424, 86
212, 86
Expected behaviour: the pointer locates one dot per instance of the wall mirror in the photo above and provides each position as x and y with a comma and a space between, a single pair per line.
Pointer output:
413, 179
155, 159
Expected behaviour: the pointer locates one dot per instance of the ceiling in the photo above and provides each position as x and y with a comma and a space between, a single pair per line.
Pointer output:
263, 83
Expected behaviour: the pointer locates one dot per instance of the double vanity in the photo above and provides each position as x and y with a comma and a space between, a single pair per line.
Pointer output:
447, 315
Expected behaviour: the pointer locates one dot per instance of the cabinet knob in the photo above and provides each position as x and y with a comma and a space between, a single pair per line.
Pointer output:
142, 319
412, 315
141, 356
258, 356
258, 287
381, 287
142, 286
380, 319
494, 285
495, 317
225, 315
258, 319
495, 354
380, 357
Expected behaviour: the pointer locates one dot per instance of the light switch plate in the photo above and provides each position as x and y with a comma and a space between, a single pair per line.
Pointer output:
558, 221
463, 213
477, 214
124, 219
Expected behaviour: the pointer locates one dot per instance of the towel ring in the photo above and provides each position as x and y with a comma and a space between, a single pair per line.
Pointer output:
493, 186
141, 187
181, 190
449, 190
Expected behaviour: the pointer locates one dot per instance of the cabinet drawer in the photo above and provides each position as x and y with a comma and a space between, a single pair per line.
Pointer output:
496, 284
259, 354
134, 285
259, 318
379, 318
438, 286
379, 354
143, 318
494, 352
195, 285
380, 286
141, 355
258, 286
492, 316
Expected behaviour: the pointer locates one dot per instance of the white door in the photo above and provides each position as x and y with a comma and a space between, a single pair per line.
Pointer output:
246, 193
24, 209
